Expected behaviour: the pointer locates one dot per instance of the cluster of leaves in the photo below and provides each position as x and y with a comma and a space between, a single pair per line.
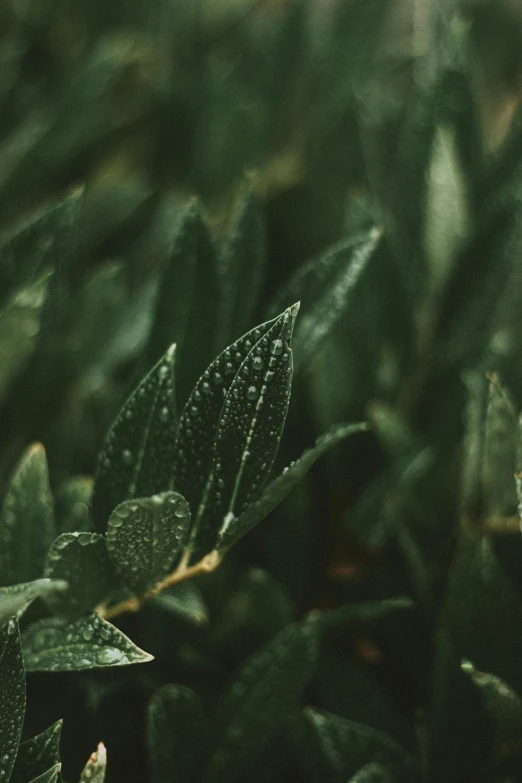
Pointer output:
369, 629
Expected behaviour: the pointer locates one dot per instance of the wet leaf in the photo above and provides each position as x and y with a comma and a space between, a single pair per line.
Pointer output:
48, 777
16, 598
145, 537
188, 300
55, 645
137, 456
177, 735
95, 769
82, 560
37, 755
12, 696
242, 269
501, 439
324, 286
233, 529
372, 773
248, 432
255, 706
27, 522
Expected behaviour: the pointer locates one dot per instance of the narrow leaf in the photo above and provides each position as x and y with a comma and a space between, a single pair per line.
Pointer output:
346, 746
188, 300
242, 268
82, 560
137, 456
48, 777
37, 755
501, 439
324, 286
253, 710
16, 598
365, 611
12, 696
27, 521
54, 645
95, 769
145, 537
200, 418
234, 528
372, 773
177, 735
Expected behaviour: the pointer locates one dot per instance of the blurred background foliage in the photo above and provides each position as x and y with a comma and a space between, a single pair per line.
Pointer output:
334, 115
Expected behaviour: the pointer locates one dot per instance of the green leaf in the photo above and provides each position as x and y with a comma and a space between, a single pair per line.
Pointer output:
48, 777
473, 447
27, 522
242, 269
253, 710
95, 769
16, 598
501, 439
372, 773
177, 735
72, 503
36, 755
226, 445
55, 645
233, 529
19, 326
137, 456
82, 560
184, 600
188, 300
323, 286
365, 611
345, 746
12, 696
145, 537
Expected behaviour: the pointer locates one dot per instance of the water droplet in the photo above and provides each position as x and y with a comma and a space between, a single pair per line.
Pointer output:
197, 395
276, 348
269, 376
164, 414
11, 629
163, 371
284, 357
229, 368
88, 633
218, 378
127, 457
110, 656
252, 393
205, 387
257, 363
181, 510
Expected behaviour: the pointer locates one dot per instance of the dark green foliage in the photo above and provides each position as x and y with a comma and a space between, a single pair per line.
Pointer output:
302, 220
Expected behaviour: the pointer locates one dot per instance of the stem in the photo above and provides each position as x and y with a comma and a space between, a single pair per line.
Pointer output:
207, 564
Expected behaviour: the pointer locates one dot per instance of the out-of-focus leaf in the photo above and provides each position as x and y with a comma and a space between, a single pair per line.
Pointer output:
12, 696
345, 746
473, 456
27, 522
16, 598
373, 773
324, 286
95, 769
242, 269
82, 560
253, 710
55, 645
188, 300
19, 325
501, 439
137, 456
184, 600
234, 528
37, 755
366, 611
177, 735
145, 537
226, 444
72, 502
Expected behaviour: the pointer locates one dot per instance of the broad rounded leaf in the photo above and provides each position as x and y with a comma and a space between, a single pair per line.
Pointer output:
82, 560
54, 645
137, 455
16, 598
145, 537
